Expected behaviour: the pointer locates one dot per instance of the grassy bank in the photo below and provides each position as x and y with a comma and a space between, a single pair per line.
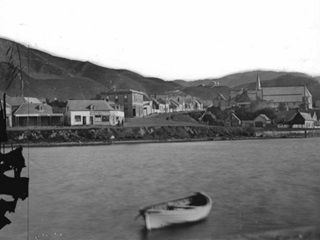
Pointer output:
76, 136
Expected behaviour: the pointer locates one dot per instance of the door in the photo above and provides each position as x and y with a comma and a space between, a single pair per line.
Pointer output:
84, 120
91, 120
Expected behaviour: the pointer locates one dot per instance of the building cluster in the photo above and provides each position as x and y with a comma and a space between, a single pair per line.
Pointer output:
284, 119
287, 101
285, 97
115, 106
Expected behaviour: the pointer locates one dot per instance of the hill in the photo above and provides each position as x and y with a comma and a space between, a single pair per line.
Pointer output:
48, 76
236, 79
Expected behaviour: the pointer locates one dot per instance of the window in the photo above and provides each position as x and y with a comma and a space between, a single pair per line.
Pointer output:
77, 118
125, 98
97, 118
105, 118
116, 98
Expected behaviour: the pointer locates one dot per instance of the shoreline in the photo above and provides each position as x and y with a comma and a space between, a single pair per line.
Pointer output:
144, 141
143, 135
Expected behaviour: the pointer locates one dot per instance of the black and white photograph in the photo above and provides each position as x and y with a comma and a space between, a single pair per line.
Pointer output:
160, 120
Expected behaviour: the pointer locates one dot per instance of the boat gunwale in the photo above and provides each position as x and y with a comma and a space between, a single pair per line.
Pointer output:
151, 209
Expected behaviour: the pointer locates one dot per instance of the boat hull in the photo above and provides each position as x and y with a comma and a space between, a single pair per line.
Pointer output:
159, 218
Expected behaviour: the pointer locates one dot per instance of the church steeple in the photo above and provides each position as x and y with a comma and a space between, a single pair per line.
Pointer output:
258, 84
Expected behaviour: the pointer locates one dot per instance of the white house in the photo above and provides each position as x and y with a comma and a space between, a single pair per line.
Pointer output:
302, 120
92, 112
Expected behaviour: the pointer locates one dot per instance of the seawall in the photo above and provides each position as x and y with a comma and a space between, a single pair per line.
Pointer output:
107, 135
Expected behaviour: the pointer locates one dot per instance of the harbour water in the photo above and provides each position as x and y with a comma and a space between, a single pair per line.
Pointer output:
95, 192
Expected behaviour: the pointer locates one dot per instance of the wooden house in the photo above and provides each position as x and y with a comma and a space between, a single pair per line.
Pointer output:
302, 120
261, 121
157, 106
92, 112
35, 114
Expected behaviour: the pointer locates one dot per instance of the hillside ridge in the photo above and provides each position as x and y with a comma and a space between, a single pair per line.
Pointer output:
49, 76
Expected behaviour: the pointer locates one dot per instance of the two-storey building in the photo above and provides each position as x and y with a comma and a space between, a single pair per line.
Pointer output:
131, 101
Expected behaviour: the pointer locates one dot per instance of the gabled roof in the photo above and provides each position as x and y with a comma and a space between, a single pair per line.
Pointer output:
175, 102
242, 98
32, 100
156, 101
86, 105
33, 109
162, 101
234, 116
220, 97
285, 93
265, 117
306, 116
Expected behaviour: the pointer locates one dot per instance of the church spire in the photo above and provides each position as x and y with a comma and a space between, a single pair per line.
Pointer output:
258, 84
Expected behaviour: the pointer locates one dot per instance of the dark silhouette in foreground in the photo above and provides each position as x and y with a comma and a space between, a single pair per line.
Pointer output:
17, 186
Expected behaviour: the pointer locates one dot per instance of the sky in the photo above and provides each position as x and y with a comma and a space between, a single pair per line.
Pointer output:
172, 39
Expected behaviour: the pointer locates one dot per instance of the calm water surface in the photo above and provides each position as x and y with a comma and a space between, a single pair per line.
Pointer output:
95, 192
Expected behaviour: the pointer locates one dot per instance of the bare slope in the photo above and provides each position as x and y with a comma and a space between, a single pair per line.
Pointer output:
49, 76
238, 78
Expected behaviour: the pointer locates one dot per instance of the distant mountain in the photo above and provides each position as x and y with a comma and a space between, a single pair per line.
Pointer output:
312, 84
238, 78
48, 76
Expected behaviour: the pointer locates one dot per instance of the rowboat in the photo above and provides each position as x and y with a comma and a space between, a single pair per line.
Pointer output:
183, 210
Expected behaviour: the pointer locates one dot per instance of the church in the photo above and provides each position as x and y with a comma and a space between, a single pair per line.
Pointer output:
288, 97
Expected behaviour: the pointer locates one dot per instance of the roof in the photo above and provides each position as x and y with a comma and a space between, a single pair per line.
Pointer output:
265, 117
306, 116
285, 94
243, 98
234, 116
174, 102
85, 105
162, 101
156, 101
32, 100
222, 97
285, 116
36, 110
114, 90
